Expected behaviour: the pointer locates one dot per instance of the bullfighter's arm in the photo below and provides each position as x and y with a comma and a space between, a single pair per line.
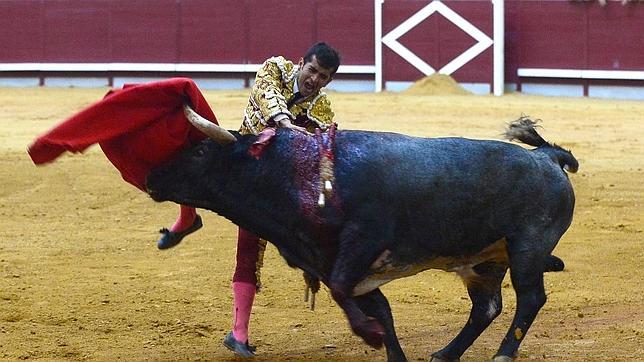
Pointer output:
268, 91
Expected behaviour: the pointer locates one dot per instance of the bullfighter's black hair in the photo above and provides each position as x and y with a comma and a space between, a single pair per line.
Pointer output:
327, 56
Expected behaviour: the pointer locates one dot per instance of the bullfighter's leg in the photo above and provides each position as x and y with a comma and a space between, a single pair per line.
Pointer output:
374, 304
359, 248
526, 271
484, 290
186, 218
246, 281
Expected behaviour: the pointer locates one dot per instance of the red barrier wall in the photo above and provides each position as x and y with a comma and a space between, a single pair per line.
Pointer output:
539, 34
573, 35
185, 31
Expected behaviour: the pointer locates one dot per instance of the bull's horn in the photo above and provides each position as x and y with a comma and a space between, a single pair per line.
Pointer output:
217, 133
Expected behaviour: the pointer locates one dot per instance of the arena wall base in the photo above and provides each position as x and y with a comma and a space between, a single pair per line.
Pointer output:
19, 82
202, 83
348, 85
76, 82
477, 88
555, 90
607, 91
616, 92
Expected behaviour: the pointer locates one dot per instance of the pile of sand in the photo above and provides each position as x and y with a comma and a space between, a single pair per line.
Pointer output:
436, 84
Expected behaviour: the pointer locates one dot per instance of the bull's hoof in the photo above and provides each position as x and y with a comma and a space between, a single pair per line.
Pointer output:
438, 357
502, 359
371, 332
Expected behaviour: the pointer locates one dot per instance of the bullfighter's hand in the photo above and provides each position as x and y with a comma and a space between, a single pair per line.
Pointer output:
285, 122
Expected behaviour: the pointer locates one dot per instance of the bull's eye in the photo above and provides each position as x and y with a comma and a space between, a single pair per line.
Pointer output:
200, 152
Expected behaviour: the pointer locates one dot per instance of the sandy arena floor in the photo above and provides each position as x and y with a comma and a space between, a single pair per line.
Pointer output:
81, 277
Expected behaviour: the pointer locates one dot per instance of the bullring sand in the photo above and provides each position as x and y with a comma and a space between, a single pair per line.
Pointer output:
81, 278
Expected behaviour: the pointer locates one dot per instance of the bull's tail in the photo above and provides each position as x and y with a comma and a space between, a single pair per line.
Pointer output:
524, 130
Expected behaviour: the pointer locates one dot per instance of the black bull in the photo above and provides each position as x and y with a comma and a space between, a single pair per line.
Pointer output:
400, 205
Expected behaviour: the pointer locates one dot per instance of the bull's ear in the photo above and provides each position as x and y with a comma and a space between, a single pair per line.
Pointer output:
214, 131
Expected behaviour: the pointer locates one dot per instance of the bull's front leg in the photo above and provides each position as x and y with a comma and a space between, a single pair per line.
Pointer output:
375, 304
358, 249
364, 326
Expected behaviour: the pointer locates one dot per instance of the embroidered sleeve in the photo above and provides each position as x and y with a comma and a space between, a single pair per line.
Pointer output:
320, 111
268, 91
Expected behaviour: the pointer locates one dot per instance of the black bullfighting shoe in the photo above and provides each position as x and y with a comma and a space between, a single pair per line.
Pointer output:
171, 238
242, 349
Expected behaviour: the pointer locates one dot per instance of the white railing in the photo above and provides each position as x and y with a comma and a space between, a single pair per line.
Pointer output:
580, 73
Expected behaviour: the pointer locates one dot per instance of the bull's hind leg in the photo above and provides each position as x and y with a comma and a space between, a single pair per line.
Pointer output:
484, 290
526, 271
374, 304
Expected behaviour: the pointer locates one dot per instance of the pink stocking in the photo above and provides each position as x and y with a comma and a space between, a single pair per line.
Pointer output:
243, 294
186, 218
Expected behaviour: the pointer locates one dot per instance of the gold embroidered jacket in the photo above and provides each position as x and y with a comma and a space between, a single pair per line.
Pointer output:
273, 88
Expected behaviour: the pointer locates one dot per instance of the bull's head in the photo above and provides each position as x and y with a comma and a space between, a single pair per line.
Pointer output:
192, 175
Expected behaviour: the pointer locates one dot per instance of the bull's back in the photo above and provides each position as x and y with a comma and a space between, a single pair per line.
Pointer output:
445, 193
403, 167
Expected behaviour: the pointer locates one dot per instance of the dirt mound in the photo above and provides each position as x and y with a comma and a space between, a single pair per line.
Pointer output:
436, 84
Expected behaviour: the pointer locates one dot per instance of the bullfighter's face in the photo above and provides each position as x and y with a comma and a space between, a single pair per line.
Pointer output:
312, 77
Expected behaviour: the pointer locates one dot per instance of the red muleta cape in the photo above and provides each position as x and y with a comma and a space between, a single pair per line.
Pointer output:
138, 127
